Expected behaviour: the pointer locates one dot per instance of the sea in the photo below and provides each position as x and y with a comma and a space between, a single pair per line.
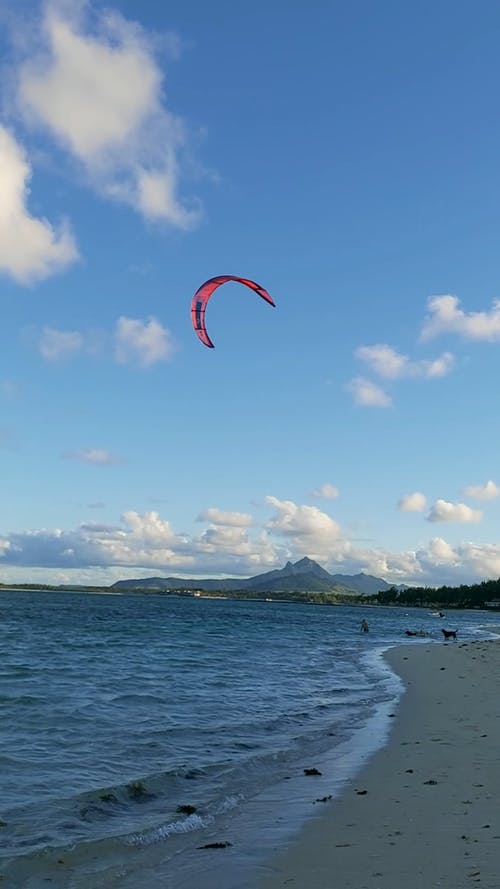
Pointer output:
164, 741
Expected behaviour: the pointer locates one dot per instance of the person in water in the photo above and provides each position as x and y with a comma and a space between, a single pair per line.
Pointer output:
364, 626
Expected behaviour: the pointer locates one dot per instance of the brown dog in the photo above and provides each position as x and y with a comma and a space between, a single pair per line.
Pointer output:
449, 634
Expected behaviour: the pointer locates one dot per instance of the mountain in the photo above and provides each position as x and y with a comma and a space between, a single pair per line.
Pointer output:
366, 584
302, 576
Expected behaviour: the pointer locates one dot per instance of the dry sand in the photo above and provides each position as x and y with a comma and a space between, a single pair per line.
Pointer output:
425, 811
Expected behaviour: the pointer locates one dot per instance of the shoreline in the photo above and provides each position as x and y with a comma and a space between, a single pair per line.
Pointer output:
424, 809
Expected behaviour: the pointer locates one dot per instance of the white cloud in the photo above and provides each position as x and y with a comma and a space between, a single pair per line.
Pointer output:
151, 529
144, 342
58, 345
97, 456
219, 517
326, 492
96, 86
438, 367
489, 491
415, 502
133, 341
444, 511
446, 316
231, 541
144, 544
394, 567
384, 360
368, 394
307, 529
388, 363
31, 249
481, 560
441, 553
155, 197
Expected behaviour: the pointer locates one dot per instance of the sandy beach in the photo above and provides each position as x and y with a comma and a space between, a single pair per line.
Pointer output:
425, 810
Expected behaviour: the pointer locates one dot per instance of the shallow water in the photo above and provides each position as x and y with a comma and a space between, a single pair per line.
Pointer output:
119, 710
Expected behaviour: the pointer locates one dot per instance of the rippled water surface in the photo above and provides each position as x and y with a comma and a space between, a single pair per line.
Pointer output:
118, 712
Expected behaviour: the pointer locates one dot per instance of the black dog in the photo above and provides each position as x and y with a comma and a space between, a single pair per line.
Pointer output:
449, 634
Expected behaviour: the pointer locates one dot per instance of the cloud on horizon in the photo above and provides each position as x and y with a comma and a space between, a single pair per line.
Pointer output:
145, 544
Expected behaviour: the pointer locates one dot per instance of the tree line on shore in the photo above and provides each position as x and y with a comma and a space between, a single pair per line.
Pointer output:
475, 595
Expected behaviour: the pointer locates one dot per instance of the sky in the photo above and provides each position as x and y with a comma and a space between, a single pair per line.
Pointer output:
346, 156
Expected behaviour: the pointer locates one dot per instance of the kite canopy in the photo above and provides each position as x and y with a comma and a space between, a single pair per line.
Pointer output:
203, 294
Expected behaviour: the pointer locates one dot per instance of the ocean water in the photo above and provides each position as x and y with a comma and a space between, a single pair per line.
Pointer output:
135, 730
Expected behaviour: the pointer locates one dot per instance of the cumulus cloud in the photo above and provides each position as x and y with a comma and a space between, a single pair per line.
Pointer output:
446, 316
96, 456
489, 491
140, 541
396, 567
31, 249
326, 492
437, 367
388, 363
219, 517
307, 529
146, 544
233, 541
95, 84
439, 552
481, 560
444, 511
133, 341
415, 502
58, 345
148, 541
143, 342
368, 394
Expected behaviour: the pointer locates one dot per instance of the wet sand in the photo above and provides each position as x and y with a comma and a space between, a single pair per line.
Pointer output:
425, 811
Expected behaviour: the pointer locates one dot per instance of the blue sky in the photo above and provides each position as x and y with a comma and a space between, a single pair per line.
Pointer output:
346, 157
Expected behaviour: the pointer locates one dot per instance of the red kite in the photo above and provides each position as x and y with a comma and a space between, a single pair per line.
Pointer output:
203, 294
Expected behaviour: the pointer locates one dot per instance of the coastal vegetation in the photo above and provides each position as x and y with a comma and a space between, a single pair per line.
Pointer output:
481, 595
478, 595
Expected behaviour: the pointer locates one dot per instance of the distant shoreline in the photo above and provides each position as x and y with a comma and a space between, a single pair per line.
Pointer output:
273, 597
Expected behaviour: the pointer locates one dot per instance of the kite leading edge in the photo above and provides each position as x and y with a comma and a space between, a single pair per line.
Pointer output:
203, 294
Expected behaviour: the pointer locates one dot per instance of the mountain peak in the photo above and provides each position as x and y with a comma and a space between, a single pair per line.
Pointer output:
306, 562
305, 574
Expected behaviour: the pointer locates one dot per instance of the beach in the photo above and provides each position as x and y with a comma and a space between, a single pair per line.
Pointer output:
424, 811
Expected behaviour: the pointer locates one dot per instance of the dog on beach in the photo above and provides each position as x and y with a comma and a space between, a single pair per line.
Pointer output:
449, 634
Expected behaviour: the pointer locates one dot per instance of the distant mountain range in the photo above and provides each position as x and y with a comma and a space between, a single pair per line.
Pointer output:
303, 576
